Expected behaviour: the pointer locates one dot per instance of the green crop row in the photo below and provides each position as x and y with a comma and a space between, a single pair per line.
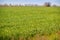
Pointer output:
28, 21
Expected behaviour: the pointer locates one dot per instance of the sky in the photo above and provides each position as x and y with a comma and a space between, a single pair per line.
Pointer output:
39, 2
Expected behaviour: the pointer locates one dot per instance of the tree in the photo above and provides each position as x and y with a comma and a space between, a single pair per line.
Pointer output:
5, 5
47, 4
54, 5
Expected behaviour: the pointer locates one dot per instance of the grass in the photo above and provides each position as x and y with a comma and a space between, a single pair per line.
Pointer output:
27, 22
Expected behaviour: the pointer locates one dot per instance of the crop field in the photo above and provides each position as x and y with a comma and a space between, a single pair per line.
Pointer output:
29, 23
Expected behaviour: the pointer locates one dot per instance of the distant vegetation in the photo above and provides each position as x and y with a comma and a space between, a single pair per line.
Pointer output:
47, 4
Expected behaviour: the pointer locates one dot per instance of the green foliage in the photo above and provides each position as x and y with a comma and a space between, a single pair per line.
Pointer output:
27, 21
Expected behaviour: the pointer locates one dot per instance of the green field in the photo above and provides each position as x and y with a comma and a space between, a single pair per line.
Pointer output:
26, 22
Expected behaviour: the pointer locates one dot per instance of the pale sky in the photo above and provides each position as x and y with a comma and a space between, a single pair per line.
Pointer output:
39, 2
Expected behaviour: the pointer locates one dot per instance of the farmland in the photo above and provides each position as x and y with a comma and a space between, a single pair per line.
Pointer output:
29, 23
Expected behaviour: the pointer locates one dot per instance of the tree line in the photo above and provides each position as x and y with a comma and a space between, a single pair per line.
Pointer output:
47, 4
